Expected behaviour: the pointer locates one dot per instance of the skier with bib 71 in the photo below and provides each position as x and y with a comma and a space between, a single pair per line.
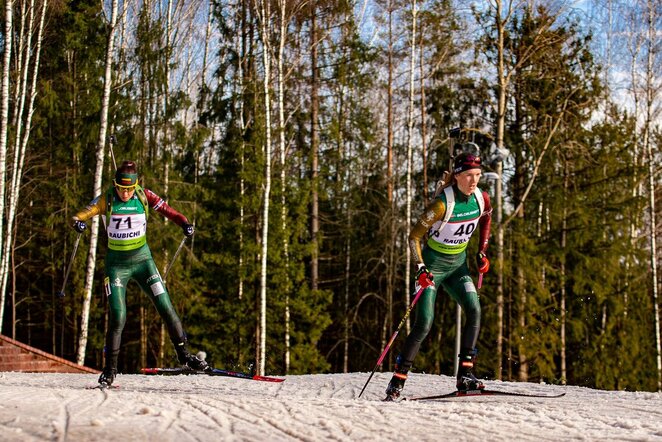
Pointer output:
126, 209
454, 215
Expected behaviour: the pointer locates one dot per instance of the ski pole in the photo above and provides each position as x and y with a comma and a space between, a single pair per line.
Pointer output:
172, 261
71, 260
113, 141
480, 280
419, 292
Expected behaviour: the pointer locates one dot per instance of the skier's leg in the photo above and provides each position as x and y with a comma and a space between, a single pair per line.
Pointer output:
115, 283
424, 317
150, 281
461, 288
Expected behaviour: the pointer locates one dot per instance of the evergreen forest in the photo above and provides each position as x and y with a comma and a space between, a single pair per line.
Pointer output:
303, 139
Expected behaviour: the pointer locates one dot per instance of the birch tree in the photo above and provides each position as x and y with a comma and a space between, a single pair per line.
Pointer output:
285, 17
264, 15
283, 21
640, 27
651, 88
33, 27
98, 174
4, 124
241, 49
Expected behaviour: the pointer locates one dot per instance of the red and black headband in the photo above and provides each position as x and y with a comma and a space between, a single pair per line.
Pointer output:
464, 162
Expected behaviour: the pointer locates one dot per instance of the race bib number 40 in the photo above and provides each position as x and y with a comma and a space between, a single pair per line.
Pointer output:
453, 238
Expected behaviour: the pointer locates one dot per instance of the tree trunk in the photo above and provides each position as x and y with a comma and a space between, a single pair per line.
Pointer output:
648, 148
346, 323
143, 334
241, 73
314, 152
410, 148
562, 270
391, 211
344, 181
98, 173
283, 176
500, 127
389, 108
22, 135
265, 29
4, 125
424, 148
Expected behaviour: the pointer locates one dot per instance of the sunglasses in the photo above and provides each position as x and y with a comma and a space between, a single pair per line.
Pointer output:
472, 159
125, 188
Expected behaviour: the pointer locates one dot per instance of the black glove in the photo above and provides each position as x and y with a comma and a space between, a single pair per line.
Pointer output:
79, 226
423, 277
188, 229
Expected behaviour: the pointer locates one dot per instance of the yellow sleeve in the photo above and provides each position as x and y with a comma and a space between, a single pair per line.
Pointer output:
433, 213
95, 207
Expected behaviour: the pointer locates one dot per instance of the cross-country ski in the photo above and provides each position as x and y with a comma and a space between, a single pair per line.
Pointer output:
482, 392
174, 371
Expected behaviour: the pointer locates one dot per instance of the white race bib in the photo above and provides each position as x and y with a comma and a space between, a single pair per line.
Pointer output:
127, 232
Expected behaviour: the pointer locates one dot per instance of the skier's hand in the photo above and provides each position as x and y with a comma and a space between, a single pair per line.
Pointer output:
188, 229
423, 277
79, 226
482, 263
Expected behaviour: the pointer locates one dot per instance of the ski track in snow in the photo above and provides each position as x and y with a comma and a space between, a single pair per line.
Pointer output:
59, 407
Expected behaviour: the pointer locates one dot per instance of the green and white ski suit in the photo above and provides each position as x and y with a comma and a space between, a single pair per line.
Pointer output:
445, 256
129, 257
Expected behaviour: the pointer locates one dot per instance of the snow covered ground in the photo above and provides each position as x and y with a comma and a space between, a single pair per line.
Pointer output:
58, 407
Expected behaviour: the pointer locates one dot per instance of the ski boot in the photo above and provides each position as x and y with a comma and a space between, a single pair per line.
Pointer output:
188, 360
107, 377
395, 386
397, 382
466, 380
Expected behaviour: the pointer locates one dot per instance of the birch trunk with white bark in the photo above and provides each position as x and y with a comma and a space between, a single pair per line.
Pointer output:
98, 174
265, 29
283, 184
651, 91
4, 124
26, 90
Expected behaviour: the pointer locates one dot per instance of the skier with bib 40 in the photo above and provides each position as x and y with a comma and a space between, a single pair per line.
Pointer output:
451, 219
126, 208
